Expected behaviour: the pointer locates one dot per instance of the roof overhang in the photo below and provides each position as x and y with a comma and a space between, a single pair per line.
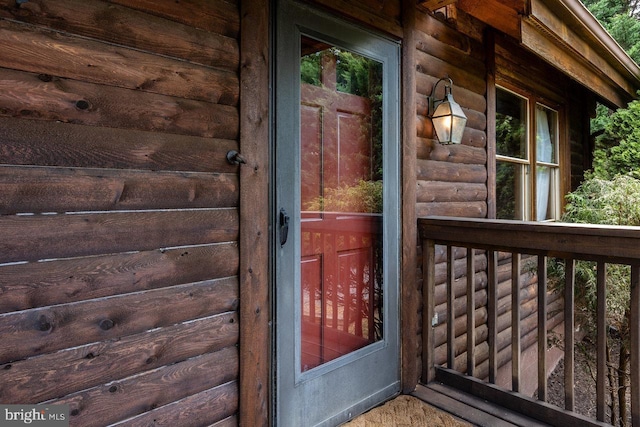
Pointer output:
566, 35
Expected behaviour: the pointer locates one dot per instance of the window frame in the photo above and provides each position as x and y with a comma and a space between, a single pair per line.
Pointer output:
560, 170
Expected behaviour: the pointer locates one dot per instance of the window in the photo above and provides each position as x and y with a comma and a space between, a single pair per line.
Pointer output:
523, 152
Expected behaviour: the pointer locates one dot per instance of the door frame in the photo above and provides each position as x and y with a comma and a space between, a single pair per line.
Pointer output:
392, 189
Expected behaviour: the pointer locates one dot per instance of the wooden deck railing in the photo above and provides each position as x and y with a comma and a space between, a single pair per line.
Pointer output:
570, 242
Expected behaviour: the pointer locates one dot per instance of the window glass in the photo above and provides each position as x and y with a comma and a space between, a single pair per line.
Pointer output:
511, 125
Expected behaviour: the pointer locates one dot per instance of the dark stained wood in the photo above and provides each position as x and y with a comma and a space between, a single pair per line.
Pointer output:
26, 95
601, 342
451, 316
458, 209
117, 400
471, 137
429, 170
634, 348
439, 191
492, 314
440, 41
218, 16
383, 15
516, 347
37, 190
29, 142
95, 62
428, 311
522, 405
200, 409
495, 13
430, 149
410, 321
542, 328
78, 368
31, 285
491, 123
124, 26
36, 237
469, 79
227, 422
44, 330
255, 356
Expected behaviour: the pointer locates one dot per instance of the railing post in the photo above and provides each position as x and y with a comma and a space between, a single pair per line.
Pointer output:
451, 314
428, 297
492, 314
515, 321
471, 311
635, 344
569, 334
542, 328
601, 342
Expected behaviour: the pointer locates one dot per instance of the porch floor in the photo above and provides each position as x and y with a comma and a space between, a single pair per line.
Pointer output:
446, 407
476, 411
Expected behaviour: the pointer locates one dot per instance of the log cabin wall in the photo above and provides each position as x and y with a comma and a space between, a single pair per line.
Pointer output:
119, 212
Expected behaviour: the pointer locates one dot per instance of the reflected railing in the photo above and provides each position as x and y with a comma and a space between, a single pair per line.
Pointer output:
472, 360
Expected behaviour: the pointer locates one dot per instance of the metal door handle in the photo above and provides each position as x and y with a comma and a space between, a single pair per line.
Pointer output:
284, 226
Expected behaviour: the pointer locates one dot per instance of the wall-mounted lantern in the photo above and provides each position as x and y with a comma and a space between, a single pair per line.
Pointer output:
447, 116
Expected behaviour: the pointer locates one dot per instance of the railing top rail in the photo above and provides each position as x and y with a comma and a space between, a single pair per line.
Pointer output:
615, 244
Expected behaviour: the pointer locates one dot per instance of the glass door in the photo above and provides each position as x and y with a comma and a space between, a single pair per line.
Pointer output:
337, 230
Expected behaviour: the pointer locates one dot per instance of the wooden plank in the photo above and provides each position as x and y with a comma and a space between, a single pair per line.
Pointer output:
92, 61
33, 380
65, 100
37, 237
569, 334
122, 399
542, 328
601, 342
634, 348
31, 285
454, 209
466, 82
523, 405
459, 408
492, 314
471, 310
439, 191
431, 170
516, 345
409, 287
617, 244
227, 422
428, 311
430, 149
439, 39
44, 330
380, 14
494, 13
38, 190
200, 409
29, 142
491, 122
124, 26
218, 16
254, 273
451, 315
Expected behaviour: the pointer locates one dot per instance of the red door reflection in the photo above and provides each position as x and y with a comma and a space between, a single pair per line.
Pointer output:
341, 241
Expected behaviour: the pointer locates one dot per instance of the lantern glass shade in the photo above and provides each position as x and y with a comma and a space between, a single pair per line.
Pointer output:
449, 121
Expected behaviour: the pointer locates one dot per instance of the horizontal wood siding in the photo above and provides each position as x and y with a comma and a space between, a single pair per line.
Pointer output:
119, 256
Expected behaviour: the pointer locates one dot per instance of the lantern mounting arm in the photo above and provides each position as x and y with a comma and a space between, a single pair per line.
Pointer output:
433, 102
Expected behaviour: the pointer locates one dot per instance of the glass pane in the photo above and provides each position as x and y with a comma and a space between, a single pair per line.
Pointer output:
341, 202
547, 200
511, 198
511, 125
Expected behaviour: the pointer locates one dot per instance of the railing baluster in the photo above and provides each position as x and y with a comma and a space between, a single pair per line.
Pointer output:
635, 345
451, 315
428, 297
542, 328
492, 314
601, 332
471, 311
569, 334
515, 321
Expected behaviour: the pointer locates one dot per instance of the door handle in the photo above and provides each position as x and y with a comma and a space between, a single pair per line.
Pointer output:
284, 226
